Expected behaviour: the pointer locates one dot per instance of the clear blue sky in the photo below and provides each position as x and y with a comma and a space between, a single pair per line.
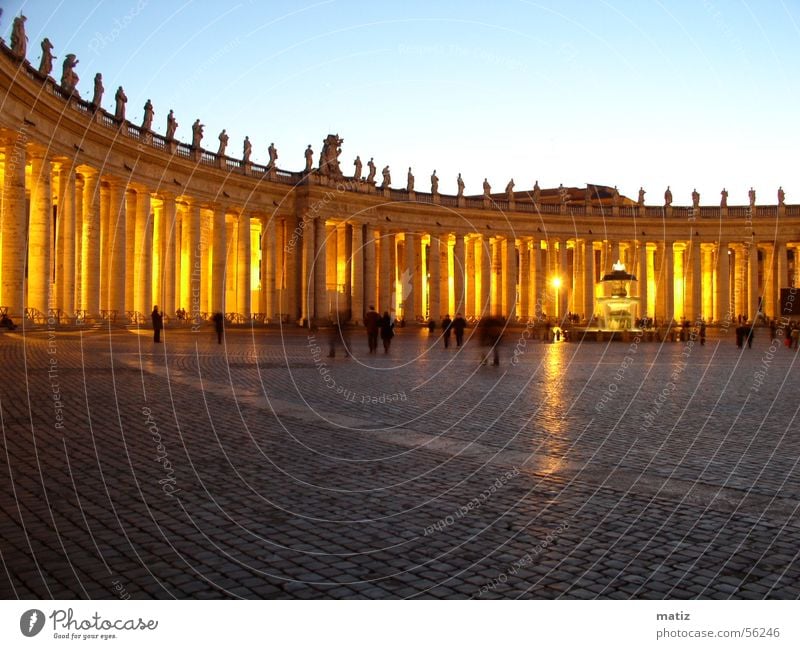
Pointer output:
636, 92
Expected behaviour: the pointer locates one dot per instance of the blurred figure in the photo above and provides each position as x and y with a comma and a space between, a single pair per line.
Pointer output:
491, 335
387, 331
447, 323
158, 324
372, 322
337, 334
219, 325
459, 324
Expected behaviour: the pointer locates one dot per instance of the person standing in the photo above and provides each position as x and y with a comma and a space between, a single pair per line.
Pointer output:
447, 324
219, 325
750, 332
158, 324
702, 332
459, 324
372, 322
387, 331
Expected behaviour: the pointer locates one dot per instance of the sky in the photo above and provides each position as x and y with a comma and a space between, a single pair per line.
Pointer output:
692, 94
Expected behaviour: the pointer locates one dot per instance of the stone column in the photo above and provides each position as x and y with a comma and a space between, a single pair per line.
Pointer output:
321, 306
243, 265
269, 268
434, 272
206, 281
342, 270
169, 278
118, 247
105, 243
459, 268
219, 252
444, 274
722, 308
357, 274
78, 242
693, 269
510, 276
588, 279
781, 276
131, 251
292, 248
191, 222
769, 299
143, 270
669, 280
39, 244
333, 299
471, 273
753, 292
384, 283
524, 279
484, 254
563, 291
411, 279
537, 280
497, 277
65, 239
307, 274
15, 216
90, 243
641, 277
370, 269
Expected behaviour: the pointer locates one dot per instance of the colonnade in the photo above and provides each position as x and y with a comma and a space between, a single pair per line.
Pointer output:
76, 240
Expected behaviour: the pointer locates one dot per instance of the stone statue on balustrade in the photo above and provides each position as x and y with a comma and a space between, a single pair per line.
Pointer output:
487, 188
460, 185
537, 192
434, 183
309, 155
247, 150
387, 178
358, 166
781, 196
616, 199
695, 198
223, 143
410, 181
273, 155
371, 174
640, 201
329, 156
723, 201
752, 196
149, 113
46, 64
19, 41
97, 97
197, 133
120, 99
667, 197
172, 126
510, 190
69, 78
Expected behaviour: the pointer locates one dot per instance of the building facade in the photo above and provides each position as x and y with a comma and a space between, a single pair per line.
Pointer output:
102, 219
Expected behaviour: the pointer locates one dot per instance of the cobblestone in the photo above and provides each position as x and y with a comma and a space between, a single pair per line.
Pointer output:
203, 471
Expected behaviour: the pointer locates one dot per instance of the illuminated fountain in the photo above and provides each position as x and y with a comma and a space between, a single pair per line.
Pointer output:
619, 310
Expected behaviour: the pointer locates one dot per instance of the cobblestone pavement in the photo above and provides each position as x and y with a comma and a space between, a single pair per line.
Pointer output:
263, 468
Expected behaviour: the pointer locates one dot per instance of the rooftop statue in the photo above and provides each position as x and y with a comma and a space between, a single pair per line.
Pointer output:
309, 154
487, 188
615, 197
19, 41
723, 201
223, 143
247, 149
387, 178
434, 183
695, 198
357, 163
537, 192
752, 195
329, 156
510, 190
197, 133
781, 196
69, 78
460, 184
172, 125
147, 122
273, 155
641, 196
46, 64
120, 100
97, 97
410, 181
667, 197
371, 174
